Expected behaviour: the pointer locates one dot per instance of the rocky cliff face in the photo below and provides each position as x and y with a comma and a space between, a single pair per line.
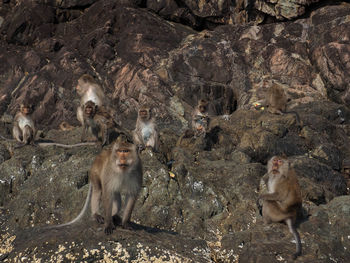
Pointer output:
169, 54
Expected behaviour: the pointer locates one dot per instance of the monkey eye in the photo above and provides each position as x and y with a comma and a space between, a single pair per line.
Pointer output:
279, 161
123, 151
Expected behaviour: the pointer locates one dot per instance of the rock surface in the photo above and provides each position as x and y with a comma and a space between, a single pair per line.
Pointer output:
198, 199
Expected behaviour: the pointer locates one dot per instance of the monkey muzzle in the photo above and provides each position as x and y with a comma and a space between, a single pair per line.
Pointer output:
202, 109
275, 169
123, 164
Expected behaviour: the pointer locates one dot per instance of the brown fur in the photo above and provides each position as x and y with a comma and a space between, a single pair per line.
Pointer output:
114, 172
276, 99
100, 122
88, 90
23, 126
145, 133
283, 200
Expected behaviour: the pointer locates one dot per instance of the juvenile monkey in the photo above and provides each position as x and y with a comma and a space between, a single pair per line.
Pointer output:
145, 133
99, 121
200, 118
89, 90
115, 171
276, 99
276, 102
283, 200
23, 126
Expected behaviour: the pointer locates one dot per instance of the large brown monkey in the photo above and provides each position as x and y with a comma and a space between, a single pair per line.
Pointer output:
23, 126
283, 200
145, 133
115, 171
100, 122
89, 90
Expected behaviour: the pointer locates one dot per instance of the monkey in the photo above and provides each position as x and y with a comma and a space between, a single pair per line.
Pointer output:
88, 89
100, 122
276, 99
283, 200
276, 102
200, 118
23, 126
145, 133
115, 171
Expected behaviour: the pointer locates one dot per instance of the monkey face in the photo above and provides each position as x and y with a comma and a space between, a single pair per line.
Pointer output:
144, 114
278, 164
123, 157
90, 109
26, 110
203, 109
79, 89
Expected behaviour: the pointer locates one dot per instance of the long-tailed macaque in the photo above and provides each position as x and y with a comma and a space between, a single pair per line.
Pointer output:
100, 122
200, 118
114, 172
145, 133
23, 126
276, 102
276, 99
283, 200
89, 90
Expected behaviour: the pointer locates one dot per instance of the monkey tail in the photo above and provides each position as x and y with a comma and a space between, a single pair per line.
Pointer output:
81, 214
44, 144
7, 139
295, 233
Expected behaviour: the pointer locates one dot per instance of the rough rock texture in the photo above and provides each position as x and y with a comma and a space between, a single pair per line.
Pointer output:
198, 199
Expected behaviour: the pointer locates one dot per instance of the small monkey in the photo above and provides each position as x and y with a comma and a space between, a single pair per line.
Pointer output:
89, 90
99, 121
276, 102
283, 200
276, 99
23, 126
115, 171
200, 118
145, 133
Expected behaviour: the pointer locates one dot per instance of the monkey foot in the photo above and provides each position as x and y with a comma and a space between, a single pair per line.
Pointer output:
295, 255
109, 229
116, 220
99, 219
